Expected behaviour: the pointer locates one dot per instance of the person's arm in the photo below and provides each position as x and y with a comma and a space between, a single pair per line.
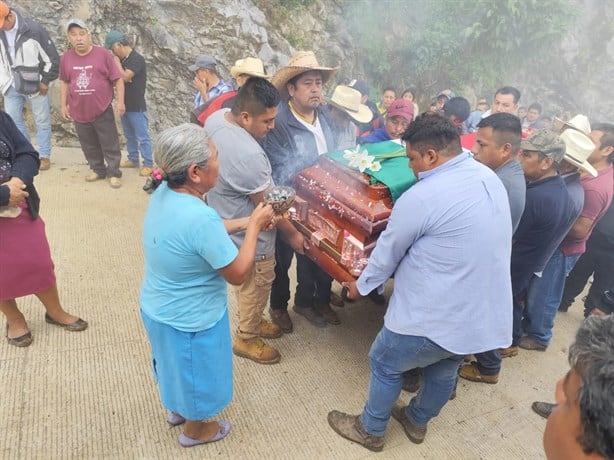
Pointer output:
236, 225
64, 111
292, 236
594, 204
127, 74
24, 167
405, 226
580, 228
120, 108
201, 87
50, 58
236, 272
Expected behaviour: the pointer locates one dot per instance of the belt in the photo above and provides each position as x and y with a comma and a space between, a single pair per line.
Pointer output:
260, 258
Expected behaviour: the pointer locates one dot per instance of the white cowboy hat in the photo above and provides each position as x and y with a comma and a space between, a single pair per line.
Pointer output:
300, 62
578, 147
348, 100
579, 122
248, 66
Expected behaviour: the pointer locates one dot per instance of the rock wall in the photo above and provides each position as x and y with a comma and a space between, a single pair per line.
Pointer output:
170, 33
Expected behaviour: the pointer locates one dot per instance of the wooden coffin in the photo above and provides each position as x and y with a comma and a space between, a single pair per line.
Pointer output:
342, 210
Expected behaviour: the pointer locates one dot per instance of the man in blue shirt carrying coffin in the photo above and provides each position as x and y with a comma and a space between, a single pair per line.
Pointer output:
448, 244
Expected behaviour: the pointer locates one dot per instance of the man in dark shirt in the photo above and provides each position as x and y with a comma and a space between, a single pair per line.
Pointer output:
135, 121
302, 133
547, 215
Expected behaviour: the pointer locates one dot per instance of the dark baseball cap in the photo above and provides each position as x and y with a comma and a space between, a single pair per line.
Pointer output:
361, 86
203, 62
115, 36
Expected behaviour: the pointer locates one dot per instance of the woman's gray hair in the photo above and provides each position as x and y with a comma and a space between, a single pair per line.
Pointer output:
179, 147
592, 357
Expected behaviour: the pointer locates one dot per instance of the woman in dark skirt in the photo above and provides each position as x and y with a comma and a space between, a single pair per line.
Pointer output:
25, 261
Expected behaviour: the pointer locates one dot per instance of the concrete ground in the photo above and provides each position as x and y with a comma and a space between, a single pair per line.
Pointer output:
91, 394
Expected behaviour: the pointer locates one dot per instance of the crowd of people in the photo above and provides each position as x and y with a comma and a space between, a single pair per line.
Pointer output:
509, 218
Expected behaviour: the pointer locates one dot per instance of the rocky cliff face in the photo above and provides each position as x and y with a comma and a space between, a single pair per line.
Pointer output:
170, 33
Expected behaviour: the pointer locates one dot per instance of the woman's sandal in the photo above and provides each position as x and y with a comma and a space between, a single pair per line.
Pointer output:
223, 431
173, 418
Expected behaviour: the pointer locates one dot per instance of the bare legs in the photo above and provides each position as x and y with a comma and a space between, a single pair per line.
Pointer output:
203, 431
15, 320
51, 300
17, 325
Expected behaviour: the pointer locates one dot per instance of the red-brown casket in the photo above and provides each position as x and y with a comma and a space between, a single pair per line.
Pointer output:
342, 210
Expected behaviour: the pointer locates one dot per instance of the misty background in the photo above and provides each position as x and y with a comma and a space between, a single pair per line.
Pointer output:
557, 52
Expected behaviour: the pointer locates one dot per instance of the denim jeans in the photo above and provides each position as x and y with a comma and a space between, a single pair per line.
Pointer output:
488, 362
544, 297
598, 261
136, 131
13, 105
392, 354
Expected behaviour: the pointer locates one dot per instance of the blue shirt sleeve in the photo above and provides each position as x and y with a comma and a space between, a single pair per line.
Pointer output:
213, 243
405, 226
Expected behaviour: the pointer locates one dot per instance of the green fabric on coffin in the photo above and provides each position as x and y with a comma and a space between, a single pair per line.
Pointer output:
395, 173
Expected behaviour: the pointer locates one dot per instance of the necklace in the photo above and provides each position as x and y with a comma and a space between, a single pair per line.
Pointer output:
311, 122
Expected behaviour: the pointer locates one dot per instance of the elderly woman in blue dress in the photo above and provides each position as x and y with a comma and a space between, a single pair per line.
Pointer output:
188, 259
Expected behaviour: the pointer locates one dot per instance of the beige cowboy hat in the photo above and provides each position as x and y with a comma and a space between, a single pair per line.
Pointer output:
248, 66
578, 147
579, 123
300, 62
348, 100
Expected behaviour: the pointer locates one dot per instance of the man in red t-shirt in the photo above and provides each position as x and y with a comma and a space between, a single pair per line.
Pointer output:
88, 75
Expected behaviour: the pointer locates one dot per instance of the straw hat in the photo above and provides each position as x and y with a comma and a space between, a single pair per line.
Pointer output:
348, 99
579, 122
578, 147
301, 62
248, 66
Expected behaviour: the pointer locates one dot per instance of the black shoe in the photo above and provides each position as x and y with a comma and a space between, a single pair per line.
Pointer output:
542, 408
378, 299
311, 315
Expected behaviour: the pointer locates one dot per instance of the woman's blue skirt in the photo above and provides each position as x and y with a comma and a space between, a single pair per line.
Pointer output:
193, 370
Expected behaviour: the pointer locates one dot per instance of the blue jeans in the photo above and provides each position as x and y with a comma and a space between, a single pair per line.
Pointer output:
392, 354
13, 105
544, 297
136, 131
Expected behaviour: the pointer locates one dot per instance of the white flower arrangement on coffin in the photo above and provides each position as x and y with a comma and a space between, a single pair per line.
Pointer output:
359, 158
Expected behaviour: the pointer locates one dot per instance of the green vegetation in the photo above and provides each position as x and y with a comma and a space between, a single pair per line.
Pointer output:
434, 44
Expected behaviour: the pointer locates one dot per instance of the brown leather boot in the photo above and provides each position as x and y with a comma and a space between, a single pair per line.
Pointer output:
328, 313
282, 319
269, 330
256, 350
415, 433
350, 427
472, 372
